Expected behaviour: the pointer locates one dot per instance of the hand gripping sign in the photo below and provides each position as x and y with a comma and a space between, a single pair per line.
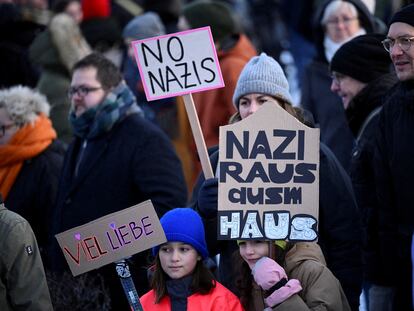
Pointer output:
268, 178
180, 64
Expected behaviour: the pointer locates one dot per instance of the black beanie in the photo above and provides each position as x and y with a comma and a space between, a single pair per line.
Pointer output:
362, 58
405, 15
215, 14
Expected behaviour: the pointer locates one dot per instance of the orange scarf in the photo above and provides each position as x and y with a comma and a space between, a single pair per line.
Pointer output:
26, 143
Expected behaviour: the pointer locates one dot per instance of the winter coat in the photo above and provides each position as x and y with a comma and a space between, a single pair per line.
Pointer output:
326, 106
339, 227
320, 289
55, 51
393, 167
131, 163
219, 298
362, 115
16, 35
22, 278
33, 194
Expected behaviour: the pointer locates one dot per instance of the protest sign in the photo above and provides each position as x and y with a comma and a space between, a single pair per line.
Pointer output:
268, 178
180, 64
111, 238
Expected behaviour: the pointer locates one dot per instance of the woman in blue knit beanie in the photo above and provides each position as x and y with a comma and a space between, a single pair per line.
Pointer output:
181, 281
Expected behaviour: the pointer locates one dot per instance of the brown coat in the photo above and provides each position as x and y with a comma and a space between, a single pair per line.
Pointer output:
320, 289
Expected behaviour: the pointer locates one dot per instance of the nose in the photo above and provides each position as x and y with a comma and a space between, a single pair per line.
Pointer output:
254, 106
249, 249
175, 256
334, 86
396, 50
340, 24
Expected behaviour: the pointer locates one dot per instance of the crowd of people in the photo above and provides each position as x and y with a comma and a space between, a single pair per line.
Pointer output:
79, 140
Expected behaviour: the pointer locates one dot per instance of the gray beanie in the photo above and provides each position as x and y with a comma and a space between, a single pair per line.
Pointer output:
262, 74
144, 26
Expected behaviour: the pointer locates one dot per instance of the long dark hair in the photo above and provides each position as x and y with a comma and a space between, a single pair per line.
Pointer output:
203, 280
244, 280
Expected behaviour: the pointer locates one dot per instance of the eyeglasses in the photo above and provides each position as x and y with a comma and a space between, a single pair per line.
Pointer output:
345, 20
81, 90
403, 42
4, 128
337, 77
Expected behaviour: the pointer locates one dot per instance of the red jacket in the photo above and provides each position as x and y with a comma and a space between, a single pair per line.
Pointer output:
218, 299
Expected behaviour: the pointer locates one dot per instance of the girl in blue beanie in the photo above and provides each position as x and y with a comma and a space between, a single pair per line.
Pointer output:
181, 281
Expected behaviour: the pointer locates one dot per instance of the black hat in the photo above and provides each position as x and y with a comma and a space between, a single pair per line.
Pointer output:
216, 14
362, 58
405, 15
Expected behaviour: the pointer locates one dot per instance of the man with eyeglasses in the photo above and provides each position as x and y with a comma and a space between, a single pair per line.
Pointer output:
361, 77
393, 162
117, 159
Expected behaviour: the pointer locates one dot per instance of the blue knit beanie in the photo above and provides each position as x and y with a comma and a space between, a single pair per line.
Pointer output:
184, 225
262, 74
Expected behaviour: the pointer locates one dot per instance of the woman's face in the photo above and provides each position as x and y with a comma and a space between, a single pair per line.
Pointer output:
252, 251
178, 259
250, 103
342, 25
7, 127
74, 9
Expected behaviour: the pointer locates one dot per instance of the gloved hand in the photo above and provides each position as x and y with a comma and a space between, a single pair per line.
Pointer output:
208, 198
271, 277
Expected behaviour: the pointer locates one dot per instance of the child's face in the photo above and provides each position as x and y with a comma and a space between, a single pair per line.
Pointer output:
252, 251
178, 259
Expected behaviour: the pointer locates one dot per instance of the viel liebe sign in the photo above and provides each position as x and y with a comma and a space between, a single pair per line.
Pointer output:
111, 238
178, 64
268, 178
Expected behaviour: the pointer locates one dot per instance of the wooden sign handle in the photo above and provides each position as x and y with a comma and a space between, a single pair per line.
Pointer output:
198, 136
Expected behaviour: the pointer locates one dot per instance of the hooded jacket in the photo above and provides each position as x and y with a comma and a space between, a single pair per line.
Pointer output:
55, 51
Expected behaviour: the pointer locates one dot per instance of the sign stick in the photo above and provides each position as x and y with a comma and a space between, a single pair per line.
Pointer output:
198, 136
128, 285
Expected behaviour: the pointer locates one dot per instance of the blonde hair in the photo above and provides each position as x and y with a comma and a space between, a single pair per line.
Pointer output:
23, 104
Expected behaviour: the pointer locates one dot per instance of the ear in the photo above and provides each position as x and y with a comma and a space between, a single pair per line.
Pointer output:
198, 258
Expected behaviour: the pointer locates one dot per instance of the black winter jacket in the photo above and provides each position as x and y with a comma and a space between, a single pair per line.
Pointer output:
131, 163
394, 170
33, 194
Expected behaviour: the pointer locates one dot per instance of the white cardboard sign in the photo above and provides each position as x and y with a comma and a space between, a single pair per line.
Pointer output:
178, 64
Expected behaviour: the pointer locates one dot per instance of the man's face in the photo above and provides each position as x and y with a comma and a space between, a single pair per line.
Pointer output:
346, 87
87, 90
402, 59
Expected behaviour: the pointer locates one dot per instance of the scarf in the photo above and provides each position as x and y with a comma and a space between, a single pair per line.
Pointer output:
179, 290
26, 143
100, 119
331, 47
